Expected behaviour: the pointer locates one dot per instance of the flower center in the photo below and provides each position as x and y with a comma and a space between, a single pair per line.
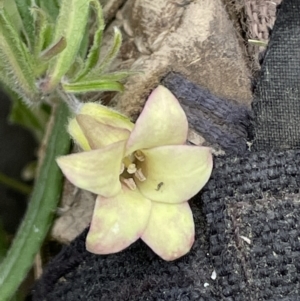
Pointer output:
130, 170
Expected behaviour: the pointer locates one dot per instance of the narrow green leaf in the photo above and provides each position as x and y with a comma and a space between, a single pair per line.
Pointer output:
85, 43
15, 184
51, 7
43, 38
92, 86
54, 50
16, 61
71, 24
27, 19
13, 14
48, 36
94, 52
41, 26
111, 54
40, 211
113, 76
76, 67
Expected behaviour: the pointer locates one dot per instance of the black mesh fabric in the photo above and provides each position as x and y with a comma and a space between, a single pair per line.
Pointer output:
247, 217
252, 206
277, 98
221, 122
134, 274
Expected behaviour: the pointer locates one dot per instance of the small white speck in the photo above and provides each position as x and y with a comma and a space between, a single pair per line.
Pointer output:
36, 229
206, 284
246, 239
116, 228
249, 144
213, 275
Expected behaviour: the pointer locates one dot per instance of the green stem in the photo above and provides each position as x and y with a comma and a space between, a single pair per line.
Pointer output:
41, 208
14, 184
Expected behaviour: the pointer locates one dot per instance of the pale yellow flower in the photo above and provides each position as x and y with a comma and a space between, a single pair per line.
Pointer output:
143, 174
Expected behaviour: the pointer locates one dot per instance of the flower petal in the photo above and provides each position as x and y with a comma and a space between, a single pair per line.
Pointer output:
174, 173
97, 170
76, 133
106, 115
162, 122
118, 221
170, 231
98, 134
101, 114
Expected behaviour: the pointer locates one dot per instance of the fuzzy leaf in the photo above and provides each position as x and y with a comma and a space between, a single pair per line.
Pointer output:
27, 19
89, 86
84, 46
110, 56
71, 24
41, 27
94, 52
54, 49
113, 76
16, 61
49, 6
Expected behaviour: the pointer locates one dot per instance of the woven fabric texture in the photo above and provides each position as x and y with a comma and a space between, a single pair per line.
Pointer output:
247, 218
221, 122
134, 274
276, 104
253, 20
253, 215
251, 242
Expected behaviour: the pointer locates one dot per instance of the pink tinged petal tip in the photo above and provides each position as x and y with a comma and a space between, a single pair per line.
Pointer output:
162, 122
118, 222
98, 134
97, 170
175, 173
170, 231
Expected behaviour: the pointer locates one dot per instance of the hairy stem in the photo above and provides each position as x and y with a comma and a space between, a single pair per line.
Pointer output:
42, 206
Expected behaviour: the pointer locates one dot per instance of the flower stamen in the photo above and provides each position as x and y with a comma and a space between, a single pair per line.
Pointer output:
131, 169
129, 183
139, 174
139, 155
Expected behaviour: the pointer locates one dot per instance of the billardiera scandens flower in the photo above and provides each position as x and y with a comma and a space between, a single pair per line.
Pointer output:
143, 174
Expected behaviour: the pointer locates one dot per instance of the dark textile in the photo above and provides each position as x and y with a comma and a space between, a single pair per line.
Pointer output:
253, 214
247, 217
134, 274
277, 97
220, 122
252, 205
